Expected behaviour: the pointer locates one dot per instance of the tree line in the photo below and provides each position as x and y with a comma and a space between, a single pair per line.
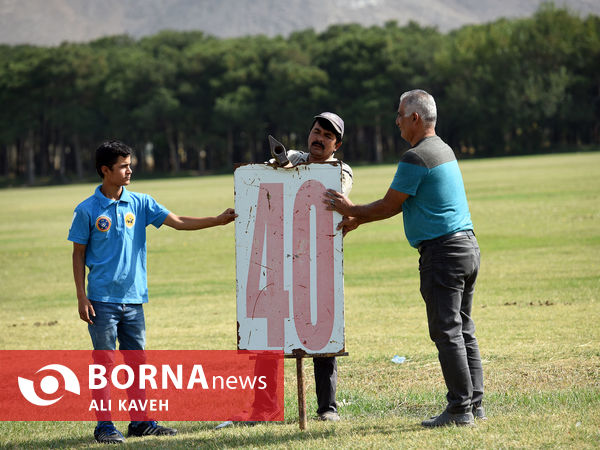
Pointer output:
186, 101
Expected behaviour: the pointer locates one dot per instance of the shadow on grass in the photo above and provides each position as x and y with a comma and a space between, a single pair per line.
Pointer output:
185, 440
269, 435
68, 442
238, 436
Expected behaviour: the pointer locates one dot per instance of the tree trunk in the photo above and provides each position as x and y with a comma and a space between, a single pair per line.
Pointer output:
258, 154
44, 150
77, 156
19, 157
391, 144
230, 146
173, 157
4, 161
378, 141
141, 158
30, 159
62, 164
59, 154
182, 150
12, 160
361, 143
202, 161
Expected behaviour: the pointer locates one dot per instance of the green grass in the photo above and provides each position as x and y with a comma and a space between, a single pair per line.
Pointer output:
537, 310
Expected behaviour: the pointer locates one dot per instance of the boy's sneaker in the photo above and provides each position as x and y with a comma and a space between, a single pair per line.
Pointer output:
149, 428
106, 433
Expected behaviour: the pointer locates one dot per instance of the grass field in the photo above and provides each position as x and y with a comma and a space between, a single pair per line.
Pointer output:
537, 310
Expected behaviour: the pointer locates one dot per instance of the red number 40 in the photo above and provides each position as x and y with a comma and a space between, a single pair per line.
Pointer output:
272, 301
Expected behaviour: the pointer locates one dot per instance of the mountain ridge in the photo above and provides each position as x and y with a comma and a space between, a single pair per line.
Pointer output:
50, 22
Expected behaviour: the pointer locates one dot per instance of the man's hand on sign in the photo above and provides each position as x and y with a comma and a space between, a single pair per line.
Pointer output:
337, 201
348, 224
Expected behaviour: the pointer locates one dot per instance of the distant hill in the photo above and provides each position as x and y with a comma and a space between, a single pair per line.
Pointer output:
50, 22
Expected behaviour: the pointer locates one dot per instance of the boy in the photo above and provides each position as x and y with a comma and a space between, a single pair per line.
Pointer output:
109, 237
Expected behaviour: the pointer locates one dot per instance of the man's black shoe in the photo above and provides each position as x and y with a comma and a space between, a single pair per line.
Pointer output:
231, 423
446, 418
106, 433
149, 428
242, 419
329, 416
479, 413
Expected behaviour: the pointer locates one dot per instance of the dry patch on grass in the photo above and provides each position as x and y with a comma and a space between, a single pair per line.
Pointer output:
559, 374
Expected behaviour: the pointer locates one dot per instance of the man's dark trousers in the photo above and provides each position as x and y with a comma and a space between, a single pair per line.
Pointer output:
325, 383
448, 268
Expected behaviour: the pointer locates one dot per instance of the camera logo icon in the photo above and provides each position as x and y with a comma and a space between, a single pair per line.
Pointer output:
49, 385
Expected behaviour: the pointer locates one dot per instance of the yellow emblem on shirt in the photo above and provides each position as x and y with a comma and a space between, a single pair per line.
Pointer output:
129, 220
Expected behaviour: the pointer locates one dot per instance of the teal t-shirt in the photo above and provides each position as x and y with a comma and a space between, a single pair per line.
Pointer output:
114, 232
437, 203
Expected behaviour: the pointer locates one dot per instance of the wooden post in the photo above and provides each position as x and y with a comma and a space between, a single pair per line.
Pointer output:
301, 392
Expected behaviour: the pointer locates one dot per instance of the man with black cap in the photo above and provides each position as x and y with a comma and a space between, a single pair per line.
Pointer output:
324, 138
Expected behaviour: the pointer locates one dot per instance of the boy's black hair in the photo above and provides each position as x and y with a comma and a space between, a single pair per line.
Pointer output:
326, 125
108, 152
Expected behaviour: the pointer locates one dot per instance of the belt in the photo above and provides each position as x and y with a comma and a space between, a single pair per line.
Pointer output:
445, 237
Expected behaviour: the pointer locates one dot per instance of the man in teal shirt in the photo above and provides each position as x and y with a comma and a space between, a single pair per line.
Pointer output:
109, 237
428, 189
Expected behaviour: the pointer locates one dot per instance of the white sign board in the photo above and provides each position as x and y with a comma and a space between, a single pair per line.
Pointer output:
289, 259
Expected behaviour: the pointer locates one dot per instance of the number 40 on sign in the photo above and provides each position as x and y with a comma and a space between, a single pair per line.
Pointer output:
289, 260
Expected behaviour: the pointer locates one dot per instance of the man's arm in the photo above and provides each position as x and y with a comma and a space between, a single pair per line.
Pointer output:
86, 310
198, 223
355, 215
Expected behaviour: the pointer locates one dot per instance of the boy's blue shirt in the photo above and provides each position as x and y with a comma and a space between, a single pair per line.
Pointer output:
114, 232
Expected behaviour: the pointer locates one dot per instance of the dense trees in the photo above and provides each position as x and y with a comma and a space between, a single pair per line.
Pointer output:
188, 101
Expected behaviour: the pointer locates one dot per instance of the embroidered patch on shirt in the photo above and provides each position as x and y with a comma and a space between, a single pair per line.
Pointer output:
103, 223
129, 219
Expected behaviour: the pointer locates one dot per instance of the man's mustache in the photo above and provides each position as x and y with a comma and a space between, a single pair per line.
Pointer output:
317, 143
